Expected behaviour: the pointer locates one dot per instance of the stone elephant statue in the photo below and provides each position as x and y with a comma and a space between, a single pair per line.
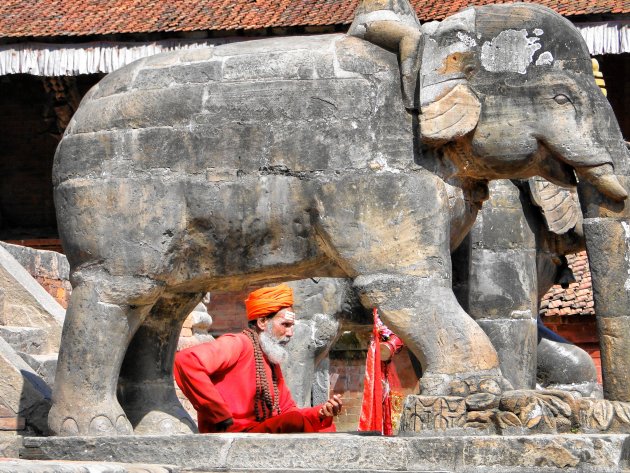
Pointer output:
287, 158
514, 253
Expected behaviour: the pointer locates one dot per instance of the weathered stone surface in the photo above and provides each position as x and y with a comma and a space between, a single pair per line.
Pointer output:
614, 333
313, 337
610, 276
33, 466
515, 341
22, 391
344, 452
503, 284
10, 444
26, 303
302, 161
26, 339
608, 247
48, 264
44, 365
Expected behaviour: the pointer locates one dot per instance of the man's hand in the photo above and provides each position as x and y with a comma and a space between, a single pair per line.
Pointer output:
331, 408
224, 424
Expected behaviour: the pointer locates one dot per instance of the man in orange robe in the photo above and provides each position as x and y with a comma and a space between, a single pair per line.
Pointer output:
235, 382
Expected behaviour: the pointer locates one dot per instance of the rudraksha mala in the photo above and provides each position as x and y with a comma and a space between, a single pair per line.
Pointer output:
264, 405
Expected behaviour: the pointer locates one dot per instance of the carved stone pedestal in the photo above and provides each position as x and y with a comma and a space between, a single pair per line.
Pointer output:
513, 413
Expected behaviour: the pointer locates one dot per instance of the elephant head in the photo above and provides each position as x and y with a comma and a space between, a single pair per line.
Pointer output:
507, 91
504, 90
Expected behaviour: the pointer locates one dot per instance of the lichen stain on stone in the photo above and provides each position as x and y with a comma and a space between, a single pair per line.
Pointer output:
509, 51
544, 59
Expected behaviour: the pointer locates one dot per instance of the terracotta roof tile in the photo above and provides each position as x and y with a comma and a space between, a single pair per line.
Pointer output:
33, 18
577, 299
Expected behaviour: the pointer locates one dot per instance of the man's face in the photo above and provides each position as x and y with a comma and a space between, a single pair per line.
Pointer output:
281, 325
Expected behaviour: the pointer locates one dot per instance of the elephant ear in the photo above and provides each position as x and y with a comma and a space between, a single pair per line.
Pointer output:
559, 205
450, 117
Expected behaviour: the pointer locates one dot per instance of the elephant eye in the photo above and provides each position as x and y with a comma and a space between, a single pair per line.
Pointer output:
561, 99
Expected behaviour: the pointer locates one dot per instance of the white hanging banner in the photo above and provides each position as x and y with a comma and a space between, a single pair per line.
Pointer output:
609, 37
51, 60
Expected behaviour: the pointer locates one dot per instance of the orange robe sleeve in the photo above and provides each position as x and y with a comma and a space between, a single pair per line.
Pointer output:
193, 368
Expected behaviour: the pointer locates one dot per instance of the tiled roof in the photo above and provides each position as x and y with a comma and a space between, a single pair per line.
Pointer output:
577, 299
36, 18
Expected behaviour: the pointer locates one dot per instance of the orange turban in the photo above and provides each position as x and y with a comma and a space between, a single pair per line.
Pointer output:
268, 300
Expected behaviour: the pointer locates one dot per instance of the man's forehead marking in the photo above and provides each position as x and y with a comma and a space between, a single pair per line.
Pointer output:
288, 315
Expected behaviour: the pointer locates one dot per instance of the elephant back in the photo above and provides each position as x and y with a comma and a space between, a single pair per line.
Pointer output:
300, 103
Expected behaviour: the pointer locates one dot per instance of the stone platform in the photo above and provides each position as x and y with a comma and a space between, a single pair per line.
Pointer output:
344, 452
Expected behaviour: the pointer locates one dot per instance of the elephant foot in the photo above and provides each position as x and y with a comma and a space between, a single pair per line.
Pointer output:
464, 385
86, 418
587, 389
153, 407
167, 421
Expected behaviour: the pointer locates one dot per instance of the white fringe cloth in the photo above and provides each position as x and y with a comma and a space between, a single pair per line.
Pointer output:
611, 37
51, 60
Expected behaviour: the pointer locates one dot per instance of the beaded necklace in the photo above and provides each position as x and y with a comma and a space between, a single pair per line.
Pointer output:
264, 404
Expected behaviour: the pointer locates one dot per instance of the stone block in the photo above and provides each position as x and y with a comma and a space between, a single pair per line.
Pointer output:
45, 365
25, 466
515, 341
22, 391
502, 284
608, 248
201, 73
135, 109
10, 444
30, 340
345, 452
40, 263
614, 336
26, 303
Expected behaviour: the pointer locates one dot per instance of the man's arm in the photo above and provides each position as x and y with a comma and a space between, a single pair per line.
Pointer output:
193, 368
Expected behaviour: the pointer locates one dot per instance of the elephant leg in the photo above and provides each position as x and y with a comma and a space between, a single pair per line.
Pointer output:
393, 234
146, 388
564, 366
496, 266
103, 314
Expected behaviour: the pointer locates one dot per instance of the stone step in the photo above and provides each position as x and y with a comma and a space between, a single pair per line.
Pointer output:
31, 340
44, 365
344, 452
33, 466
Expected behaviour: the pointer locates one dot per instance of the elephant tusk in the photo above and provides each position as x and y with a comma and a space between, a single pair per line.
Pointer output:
605, 181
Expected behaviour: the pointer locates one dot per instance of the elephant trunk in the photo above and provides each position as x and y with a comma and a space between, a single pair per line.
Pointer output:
607, 236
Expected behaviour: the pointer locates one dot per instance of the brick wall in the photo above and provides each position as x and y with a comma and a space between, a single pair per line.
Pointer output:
570, 312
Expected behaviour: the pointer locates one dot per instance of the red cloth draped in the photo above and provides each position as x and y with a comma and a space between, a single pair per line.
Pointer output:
380, 379
372, 407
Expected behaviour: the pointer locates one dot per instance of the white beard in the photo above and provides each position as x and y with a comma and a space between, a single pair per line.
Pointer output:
274, 347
